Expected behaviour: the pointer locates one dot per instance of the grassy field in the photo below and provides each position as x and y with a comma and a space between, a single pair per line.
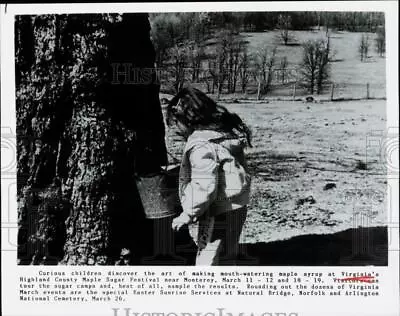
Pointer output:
346, 68
312, 171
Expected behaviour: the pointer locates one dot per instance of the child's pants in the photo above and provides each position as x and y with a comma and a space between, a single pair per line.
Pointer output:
217, 237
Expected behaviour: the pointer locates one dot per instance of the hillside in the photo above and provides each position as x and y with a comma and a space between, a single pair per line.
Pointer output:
346, 64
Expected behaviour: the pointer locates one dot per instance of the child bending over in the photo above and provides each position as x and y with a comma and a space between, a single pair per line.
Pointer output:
214, 183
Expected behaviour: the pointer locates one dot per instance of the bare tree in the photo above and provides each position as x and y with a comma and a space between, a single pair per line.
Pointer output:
195, 57
244, 73
327, 19
212, 72
323, 64
179, 56
259, 65
284, 25
363, 48
221, 58
283, 68
380, 42
235, 54
315, 65
224, 64
235, 49
264, 62
270, 68
216, 68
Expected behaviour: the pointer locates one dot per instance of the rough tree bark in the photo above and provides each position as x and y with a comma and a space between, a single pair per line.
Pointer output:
82, 134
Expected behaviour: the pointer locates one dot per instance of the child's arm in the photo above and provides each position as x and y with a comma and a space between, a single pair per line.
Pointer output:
201, 191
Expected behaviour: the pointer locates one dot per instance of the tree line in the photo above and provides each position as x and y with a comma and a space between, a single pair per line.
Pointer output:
210, 48
262, 21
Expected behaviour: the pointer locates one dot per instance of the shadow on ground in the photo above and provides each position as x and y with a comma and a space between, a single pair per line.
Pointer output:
352, 247
360, 246
272, 166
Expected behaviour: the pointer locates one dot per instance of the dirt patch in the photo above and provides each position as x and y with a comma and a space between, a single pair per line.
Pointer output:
300, 152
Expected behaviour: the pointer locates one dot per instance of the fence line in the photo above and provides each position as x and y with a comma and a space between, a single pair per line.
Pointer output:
283, 83
296, 91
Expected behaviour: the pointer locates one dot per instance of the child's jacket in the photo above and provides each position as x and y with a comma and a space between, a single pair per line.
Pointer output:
213, 175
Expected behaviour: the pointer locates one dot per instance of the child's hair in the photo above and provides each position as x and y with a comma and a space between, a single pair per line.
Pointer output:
196, 110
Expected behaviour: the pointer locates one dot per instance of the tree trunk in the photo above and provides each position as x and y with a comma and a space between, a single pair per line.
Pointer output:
81, 139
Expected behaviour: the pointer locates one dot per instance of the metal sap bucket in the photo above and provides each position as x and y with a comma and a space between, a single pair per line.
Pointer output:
159, 193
